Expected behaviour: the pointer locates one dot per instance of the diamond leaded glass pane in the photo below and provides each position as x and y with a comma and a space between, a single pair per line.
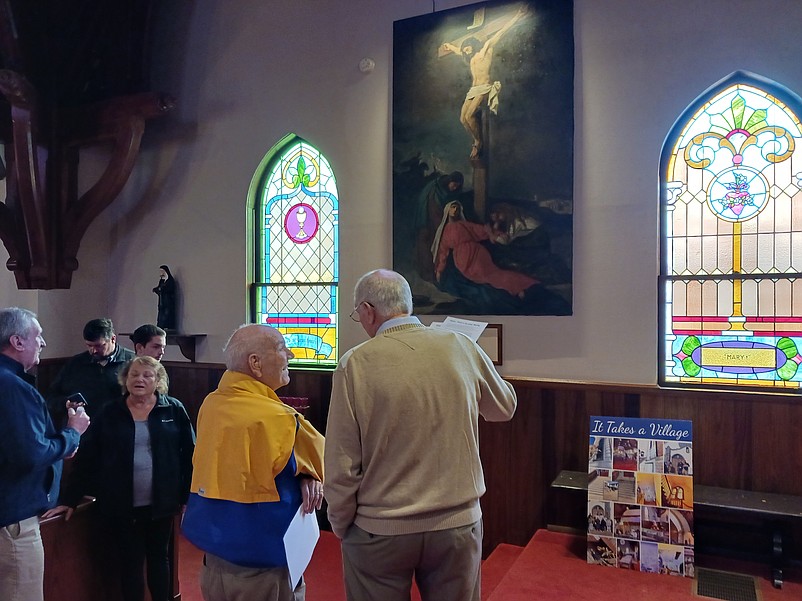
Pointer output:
298, 265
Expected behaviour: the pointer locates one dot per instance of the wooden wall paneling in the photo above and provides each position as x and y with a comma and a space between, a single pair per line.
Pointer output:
721, 432
722, 442
776, 453
512, 462
741, 440
569, 410
316, 386
78, 563
563, 438
191, 382
526, 447
497, 472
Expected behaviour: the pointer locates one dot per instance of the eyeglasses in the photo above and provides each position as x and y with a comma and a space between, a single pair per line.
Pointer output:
355, 313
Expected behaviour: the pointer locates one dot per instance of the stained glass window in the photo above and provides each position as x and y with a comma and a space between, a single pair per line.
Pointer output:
731, 210
297, 250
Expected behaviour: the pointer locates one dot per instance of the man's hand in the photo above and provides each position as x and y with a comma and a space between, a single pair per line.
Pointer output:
312, 494
77, 419
58, 510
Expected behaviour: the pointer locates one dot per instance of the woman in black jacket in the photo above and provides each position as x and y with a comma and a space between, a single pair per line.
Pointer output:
136, 460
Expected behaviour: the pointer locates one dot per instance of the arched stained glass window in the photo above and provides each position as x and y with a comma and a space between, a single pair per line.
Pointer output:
731, 272
297, 250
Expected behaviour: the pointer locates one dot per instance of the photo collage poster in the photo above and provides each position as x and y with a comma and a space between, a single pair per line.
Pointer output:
640, 495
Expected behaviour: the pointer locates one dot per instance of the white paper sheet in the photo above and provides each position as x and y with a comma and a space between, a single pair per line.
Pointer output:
299, 543
472, 329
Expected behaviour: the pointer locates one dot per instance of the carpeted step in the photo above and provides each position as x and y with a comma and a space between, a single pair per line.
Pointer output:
496, 566
553, 566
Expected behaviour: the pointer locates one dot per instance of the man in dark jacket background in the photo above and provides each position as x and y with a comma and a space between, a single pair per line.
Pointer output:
31, 454
93, 373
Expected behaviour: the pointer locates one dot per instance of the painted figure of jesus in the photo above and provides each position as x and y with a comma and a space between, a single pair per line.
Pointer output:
479, 57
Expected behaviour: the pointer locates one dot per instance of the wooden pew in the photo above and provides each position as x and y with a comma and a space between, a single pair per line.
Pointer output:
774, 509
78, 563
75, 566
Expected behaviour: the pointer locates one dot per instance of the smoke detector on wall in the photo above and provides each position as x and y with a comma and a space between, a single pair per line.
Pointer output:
366, 65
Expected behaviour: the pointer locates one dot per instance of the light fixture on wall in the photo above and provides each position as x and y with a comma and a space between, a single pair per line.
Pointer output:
366, 65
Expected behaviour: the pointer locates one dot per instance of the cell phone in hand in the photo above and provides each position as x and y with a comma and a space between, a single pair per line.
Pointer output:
76, 400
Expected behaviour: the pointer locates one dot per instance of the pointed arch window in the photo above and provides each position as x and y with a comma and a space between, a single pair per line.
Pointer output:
296, 238
731, 253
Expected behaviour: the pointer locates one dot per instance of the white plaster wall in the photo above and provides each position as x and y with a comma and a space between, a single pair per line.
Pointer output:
245, 73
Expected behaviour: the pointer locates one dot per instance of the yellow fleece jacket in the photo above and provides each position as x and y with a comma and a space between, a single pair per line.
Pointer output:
245, 437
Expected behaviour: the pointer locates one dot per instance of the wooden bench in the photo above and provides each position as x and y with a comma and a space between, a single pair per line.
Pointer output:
77, 565
775, 507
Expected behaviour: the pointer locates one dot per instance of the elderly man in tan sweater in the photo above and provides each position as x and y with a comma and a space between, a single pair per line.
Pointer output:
403, 475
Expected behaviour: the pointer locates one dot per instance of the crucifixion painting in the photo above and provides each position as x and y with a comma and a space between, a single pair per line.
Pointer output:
478, 55
483, 179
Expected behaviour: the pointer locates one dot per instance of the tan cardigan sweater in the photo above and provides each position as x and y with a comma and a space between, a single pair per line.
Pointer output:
402, 440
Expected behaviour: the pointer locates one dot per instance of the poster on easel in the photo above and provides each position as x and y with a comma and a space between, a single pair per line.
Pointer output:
640, 495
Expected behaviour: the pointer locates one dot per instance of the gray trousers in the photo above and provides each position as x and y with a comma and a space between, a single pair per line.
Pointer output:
446, 564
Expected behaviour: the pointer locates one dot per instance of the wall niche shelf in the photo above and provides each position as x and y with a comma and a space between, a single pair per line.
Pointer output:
185, 342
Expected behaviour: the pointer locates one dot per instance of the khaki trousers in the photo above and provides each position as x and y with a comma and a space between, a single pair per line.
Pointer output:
22, 562
445, 564
224, 581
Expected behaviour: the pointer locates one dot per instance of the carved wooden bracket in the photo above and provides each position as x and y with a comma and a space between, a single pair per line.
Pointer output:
67, 82
43, 219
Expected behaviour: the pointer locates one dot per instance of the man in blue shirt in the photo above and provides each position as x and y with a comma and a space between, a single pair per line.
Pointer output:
31, 454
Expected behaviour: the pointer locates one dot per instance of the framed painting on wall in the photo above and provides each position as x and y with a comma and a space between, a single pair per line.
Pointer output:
483, 158
492, 343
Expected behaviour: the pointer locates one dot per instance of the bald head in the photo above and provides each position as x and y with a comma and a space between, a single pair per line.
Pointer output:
386, 291
260, 352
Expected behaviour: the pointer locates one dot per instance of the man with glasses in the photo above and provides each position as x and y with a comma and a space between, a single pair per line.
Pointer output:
403, 474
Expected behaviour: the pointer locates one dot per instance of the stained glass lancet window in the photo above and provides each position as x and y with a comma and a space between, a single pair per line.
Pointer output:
731, 271
297, 250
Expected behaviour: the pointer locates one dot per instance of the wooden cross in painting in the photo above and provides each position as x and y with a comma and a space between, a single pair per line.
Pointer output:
476, 47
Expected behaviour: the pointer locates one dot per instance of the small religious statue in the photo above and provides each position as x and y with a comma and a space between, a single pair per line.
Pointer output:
166, 290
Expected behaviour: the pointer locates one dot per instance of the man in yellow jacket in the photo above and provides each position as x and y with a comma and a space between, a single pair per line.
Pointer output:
256, 461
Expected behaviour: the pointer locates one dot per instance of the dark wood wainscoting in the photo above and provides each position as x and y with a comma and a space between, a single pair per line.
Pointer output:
750, 441
191, 382
745, 441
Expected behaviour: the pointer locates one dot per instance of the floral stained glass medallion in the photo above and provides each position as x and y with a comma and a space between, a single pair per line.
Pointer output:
298, 252
731, 277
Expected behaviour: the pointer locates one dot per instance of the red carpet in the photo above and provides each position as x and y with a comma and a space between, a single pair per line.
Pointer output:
495, 567
551, 567
324, 578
